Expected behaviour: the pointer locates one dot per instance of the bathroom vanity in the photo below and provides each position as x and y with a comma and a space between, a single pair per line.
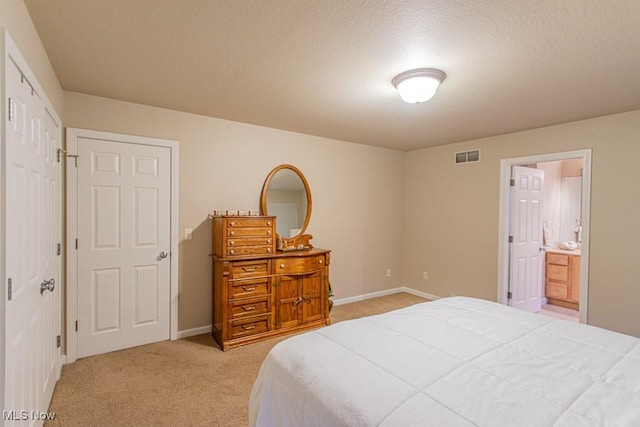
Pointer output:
562, 278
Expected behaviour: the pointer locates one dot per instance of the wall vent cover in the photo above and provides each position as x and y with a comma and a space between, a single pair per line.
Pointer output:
467, 157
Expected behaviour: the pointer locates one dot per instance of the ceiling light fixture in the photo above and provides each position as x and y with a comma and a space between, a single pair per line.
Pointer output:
418, 85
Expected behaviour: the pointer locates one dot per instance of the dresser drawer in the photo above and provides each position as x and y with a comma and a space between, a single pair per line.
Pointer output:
556, 290
244, 269
558, 259
248, 288
249, 326
558, 272
249, 222
249, 241
250, 232
249, 251
249, 307
294, 265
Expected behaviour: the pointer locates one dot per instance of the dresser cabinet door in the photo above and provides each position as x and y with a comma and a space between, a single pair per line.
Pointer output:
287, 301
299, 299
312, 297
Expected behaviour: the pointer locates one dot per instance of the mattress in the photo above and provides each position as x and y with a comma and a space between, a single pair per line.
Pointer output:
452, 362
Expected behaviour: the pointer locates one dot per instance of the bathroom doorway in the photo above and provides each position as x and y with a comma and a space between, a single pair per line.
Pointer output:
561, 230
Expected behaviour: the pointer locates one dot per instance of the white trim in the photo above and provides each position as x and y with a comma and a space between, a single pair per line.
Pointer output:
397, 290
503, 221
72, 228
195, 331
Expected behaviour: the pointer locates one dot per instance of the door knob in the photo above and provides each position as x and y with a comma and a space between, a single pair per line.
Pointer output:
163, 255
47, 285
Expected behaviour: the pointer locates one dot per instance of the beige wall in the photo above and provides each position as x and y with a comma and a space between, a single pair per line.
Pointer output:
357, 191
451, 214
15, 18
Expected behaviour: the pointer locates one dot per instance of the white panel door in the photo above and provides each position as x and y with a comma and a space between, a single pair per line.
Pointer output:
526, 254
123, 245
33, 227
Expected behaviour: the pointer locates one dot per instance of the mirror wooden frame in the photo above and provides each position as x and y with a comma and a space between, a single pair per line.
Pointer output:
300, 241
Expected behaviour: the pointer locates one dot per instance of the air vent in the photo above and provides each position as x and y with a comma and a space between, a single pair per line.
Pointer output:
467, 156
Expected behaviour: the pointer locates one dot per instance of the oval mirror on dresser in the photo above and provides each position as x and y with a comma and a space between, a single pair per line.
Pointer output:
286, 195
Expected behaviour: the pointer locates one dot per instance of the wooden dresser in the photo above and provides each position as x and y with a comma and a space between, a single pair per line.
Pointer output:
562, 279
260, 292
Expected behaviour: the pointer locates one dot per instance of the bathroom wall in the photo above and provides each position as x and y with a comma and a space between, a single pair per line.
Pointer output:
555, 198
552, 195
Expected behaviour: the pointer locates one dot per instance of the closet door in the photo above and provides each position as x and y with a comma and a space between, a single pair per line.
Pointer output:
33, 227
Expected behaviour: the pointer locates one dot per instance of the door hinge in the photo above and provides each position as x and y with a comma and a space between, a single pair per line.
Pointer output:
510, 239
59, 251
512, 183
58, 341
76, 243
509, 296
10, 109
63, 152
76, 326
10, 289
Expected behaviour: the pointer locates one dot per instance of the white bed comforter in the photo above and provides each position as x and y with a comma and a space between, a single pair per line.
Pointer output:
452, 362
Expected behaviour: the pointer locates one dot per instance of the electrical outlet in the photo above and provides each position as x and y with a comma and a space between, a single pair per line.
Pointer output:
425, 275
188, 233
388, 272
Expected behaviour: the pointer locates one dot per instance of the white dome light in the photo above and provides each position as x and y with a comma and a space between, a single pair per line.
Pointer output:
418, 85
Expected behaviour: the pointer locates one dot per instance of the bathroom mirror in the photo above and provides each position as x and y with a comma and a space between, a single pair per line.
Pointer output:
286, 196
570, 208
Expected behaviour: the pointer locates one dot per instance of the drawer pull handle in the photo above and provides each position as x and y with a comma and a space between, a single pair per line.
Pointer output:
248, 327
269, 250
319, 261
248, 288
281, 265
231, 243
248, 269
231, 224
268, 222
268, 241
248, 308
297, 301
232, 233
232, 252
268, 231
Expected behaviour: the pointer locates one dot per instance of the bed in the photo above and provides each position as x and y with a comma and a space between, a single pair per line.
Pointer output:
453, 362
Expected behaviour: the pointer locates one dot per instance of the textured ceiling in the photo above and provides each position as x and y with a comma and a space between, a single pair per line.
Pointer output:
324, 67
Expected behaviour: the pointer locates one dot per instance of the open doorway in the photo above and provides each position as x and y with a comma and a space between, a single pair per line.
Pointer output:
565, 225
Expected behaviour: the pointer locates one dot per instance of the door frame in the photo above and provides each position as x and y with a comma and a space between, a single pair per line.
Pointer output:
73, 134
504, 214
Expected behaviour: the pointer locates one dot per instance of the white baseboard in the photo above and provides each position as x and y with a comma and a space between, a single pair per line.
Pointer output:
363, 297
195, 331
419, 293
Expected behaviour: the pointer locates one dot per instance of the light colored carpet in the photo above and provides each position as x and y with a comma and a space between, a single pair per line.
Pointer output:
187, 382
